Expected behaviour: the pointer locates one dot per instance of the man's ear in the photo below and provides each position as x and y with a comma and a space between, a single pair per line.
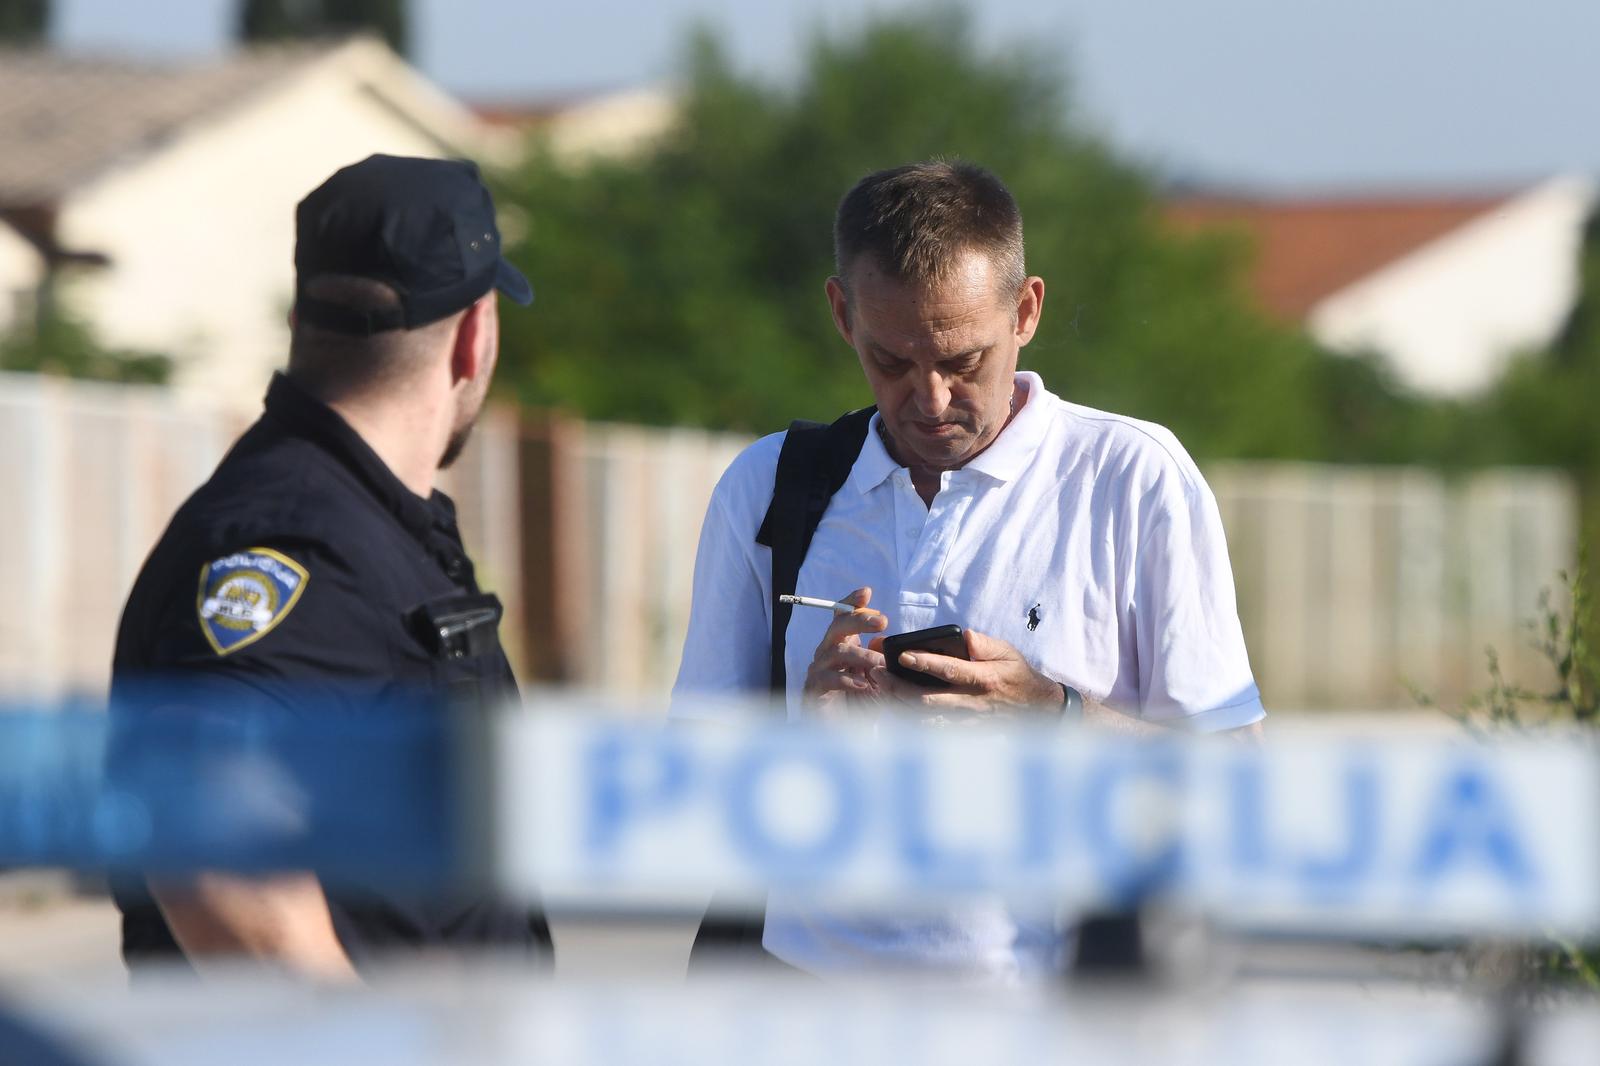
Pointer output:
1030, 305
466, 354
839, 304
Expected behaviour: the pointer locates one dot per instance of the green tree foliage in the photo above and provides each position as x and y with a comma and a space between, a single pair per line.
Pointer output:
1550, 396
24, 21
276, 20
1545, 402
60, 344
1369, 418
684, 284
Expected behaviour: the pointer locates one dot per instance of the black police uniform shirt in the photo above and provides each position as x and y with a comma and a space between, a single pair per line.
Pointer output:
338, 557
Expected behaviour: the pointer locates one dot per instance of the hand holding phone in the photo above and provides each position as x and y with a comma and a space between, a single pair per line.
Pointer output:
939, 640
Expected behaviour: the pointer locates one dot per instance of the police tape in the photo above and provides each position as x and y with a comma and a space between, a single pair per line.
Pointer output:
364, 793
1400, 833
491, 1018
1404, 834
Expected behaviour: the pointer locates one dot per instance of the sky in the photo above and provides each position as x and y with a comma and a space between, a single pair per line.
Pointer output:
1279, 95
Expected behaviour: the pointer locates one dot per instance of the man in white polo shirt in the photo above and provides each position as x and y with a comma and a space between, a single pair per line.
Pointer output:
1079, 550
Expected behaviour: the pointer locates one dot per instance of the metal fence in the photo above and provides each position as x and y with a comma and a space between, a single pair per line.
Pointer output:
91, 475
1362, 586
1355, 584
613, 518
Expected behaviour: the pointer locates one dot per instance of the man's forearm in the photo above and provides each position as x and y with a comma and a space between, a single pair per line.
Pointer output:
1098, 715
284, 920
1101, 716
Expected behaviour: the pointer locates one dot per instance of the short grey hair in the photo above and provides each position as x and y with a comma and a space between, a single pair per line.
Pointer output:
916, 221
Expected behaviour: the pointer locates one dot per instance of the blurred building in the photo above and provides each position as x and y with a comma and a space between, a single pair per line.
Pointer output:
1445, 289
590, 125
21, 271
156, 201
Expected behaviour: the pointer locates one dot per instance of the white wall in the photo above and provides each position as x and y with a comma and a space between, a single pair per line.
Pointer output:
201, 235
1448, 316
20, 270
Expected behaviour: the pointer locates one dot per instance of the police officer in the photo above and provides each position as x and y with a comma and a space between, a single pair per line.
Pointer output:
320, 553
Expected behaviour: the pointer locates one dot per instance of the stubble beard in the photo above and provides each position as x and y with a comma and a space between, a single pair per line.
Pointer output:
459, 438
456, 445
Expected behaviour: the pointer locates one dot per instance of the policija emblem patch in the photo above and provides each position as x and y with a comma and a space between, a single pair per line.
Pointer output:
244, 595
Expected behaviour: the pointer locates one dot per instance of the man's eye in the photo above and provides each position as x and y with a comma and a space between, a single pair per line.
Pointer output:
962, 365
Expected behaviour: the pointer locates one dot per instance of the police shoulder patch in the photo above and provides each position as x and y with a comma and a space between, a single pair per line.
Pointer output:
244, 595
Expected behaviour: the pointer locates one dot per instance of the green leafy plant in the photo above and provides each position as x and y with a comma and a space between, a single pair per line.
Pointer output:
1563, 634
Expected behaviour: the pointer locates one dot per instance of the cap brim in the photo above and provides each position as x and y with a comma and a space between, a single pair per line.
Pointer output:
509, 280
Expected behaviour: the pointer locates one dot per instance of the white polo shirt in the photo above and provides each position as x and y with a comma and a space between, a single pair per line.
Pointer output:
1086, 540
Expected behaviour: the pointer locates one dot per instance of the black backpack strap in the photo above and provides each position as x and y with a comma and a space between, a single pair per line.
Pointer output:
815, 463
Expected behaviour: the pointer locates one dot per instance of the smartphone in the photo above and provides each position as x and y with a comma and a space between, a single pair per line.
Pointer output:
940, 640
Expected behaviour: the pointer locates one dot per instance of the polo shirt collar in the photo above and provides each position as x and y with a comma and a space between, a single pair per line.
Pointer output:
1004, 460
873, 466
306, 416
1014, 448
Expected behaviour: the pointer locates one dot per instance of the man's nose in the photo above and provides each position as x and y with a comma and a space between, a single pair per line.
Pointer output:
932, 394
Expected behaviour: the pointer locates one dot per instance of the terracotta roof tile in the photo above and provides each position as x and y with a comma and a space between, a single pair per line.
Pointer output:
1306, 250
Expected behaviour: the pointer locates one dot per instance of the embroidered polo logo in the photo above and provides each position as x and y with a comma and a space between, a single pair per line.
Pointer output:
1033, 618
243, 596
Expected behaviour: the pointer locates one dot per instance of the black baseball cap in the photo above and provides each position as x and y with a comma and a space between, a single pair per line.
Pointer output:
423, 226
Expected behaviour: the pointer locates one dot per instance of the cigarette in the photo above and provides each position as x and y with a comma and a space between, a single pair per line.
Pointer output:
836, 606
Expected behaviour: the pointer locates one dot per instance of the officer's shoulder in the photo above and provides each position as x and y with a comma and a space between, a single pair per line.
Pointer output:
287, 491
248, 551
290, 528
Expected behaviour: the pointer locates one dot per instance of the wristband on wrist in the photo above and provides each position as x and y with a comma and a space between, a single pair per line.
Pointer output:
1071, 703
